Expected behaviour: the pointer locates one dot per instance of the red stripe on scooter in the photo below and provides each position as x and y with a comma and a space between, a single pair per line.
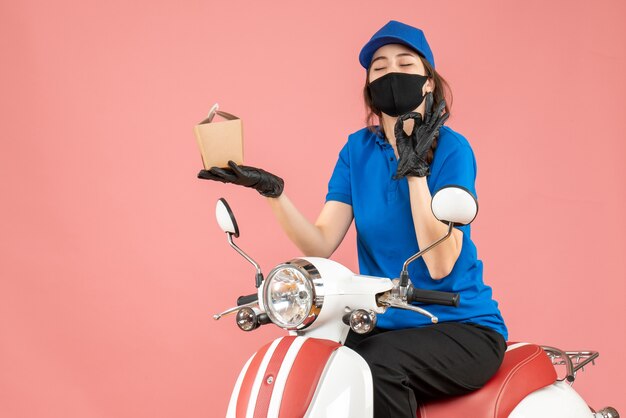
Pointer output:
246, 385
266, 389
304, 376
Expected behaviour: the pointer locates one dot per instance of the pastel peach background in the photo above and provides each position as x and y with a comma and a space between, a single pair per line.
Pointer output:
111, 262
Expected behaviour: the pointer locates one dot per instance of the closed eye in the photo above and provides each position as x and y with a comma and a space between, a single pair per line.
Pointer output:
401, 65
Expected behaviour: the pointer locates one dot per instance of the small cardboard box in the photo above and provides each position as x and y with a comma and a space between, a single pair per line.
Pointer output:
220, 141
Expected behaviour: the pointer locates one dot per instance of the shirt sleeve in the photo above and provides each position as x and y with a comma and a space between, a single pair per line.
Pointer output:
458, 169
339, 187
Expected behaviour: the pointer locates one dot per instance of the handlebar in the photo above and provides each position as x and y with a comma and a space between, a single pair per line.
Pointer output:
243, 300
432, 297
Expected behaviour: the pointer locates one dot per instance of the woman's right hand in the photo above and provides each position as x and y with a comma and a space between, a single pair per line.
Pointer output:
267, 184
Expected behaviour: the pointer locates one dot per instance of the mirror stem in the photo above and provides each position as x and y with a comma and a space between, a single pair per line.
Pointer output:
404, 275
259, 274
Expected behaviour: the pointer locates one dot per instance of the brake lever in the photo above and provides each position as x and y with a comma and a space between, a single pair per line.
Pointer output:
417, 309
396, 298
235, 309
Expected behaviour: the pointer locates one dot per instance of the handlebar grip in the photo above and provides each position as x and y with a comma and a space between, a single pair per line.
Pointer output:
433, 297
242, 300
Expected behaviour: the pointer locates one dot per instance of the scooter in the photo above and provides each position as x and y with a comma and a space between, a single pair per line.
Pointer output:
309, 373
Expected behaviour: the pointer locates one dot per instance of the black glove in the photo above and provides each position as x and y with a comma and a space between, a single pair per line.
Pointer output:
409, 163
265, 183
413, 149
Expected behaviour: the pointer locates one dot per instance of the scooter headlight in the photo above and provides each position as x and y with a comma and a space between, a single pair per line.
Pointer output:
292, 294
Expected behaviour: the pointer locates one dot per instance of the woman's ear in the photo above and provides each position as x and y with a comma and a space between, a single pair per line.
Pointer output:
429, 86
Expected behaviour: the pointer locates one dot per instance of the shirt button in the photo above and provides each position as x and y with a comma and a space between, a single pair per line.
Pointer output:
390, 158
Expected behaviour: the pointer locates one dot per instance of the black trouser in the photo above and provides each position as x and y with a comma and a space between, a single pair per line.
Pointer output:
415, 365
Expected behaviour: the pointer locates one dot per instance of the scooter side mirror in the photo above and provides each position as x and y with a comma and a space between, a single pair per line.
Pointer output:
454, 204
226, 218
226, 221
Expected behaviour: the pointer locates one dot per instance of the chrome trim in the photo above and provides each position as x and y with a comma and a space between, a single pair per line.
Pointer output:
310, 272
404, 274
566, 360
417, 309
608, 412
241, 321
555, 353
243, 254
373, 318
235, 309
396, 298
586, 357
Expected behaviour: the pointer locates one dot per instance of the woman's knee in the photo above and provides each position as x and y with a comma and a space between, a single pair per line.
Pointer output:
371, 349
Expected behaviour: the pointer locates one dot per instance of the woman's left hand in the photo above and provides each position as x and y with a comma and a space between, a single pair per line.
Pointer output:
408, 162
413, 149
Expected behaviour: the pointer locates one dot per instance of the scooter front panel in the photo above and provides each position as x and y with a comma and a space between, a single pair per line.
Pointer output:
269, 378
344, 390
305, 375
232, 404
280, 380
283, 374
245, 396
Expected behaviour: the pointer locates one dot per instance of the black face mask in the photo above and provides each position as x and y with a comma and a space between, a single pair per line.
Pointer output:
397, 93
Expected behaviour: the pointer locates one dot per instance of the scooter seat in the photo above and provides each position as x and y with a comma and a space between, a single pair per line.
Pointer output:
525, 368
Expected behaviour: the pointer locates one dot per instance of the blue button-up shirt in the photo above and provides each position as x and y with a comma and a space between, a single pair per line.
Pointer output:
363, 178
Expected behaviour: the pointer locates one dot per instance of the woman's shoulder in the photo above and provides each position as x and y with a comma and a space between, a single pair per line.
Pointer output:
449, 138
363, 140
451, 142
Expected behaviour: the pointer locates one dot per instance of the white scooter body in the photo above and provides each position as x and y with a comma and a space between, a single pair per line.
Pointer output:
344, 389
557, 400
345, 385
309, 373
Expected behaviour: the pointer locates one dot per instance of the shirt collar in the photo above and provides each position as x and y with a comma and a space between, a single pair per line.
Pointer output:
378, 136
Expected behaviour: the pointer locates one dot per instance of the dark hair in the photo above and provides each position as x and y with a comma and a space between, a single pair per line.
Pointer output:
442, 91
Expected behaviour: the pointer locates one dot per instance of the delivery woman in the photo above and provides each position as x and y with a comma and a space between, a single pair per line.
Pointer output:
384, 180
